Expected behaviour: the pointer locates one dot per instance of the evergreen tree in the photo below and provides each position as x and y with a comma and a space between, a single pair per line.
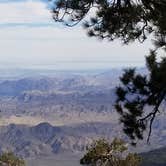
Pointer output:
127, 20
139, 92
123, 19
103, 153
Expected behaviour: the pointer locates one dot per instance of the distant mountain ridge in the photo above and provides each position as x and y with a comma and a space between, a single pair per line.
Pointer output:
45, 139
45, 84
52, 113
48, 140
154, 158
18, 81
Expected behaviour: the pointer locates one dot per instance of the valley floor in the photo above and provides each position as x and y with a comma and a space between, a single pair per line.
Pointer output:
60, 160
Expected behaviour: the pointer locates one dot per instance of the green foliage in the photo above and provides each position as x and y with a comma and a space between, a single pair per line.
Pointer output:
9, 159
127, 20
137, 92
103, 153
124, 19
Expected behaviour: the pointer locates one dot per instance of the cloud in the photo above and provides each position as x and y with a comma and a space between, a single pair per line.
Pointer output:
64, 47
30, 36
15, 12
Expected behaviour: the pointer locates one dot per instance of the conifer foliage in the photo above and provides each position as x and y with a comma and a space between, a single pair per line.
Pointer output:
124, 19
127, 20
140, 97
103, 153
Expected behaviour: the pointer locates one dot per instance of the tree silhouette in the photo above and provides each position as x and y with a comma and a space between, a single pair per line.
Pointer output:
127, 20
124, 19
139, 92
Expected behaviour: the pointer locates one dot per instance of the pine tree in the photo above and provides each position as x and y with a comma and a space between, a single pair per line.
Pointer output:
103, 153
127, 20
138, 92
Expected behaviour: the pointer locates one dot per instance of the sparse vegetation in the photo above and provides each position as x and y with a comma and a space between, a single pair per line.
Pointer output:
127, 20
103, 153
10, 159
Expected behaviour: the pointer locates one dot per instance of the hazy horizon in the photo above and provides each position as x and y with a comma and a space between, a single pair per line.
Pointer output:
75, 66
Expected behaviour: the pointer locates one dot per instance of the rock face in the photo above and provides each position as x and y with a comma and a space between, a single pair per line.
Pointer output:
44, 132
45, 139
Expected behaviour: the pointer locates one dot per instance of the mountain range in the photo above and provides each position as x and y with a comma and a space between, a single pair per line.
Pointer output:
46, 114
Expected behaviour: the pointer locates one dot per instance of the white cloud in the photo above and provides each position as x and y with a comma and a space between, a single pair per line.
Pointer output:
24, 12
47, 44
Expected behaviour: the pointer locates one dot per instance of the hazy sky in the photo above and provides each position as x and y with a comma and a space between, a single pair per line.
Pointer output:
29, 37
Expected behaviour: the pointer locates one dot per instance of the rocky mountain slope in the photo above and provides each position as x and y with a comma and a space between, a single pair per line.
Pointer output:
59, 113
47, 140
154, 158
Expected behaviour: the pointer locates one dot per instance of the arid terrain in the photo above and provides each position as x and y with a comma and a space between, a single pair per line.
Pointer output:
46, 115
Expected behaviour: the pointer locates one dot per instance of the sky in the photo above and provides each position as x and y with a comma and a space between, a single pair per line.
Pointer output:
30, 38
